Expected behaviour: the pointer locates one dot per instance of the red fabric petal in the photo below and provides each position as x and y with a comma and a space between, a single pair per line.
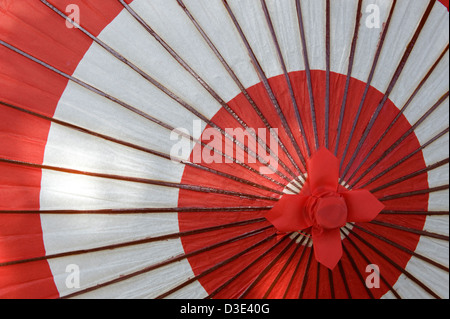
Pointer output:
323, 172
306, 189
288, 214
362, 205
327, 246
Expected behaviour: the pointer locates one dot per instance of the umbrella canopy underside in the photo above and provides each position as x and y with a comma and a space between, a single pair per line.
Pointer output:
120, 176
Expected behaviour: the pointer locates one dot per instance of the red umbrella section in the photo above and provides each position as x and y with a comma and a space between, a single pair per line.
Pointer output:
224, 149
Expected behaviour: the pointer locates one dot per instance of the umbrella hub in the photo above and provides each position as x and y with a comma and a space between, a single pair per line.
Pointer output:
330, 212
323, 206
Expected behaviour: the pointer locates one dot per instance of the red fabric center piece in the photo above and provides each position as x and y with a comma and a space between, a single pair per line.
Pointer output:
323, 207
331, 212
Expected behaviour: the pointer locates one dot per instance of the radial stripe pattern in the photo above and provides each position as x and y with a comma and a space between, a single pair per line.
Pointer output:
143, 142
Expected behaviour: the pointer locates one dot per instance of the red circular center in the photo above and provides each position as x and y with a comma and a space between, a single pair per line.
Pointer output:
219, 247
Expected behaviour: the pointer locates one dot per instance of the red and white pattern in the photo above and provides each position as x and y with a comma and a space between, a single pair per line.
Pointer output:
33, 28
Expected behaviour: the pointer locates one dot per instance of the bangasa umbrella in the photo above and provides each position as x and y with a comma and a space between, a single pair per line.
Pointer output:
224, 149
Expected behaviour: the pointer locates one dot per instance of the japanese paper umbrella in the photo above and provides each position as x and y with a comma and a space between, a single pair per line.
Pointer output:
224, 149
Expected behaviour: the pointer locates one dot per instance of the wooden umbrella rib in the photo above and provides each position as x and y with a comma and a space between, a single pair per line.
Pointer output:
242, 88
265, 82
327, 67
267, 268
406, 212
166, 262
190, 187
169, 93
402, 110
395, 265
368, 83
306, 274
405, 158
411, 230
361, 253
214, 268
412, 175
402, 248
286, 75
141, 148
344, 279
307, 71
351, 59
152, 210
414, 193
87, 131
134, 242
330, 280
392, 83
317, 280
405, 135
